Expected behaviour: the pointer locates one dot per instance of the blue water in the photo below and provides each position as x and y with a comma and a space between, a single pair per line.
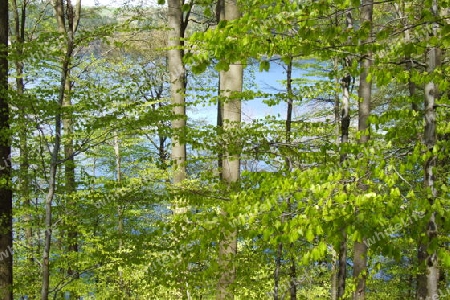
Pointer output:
269, 82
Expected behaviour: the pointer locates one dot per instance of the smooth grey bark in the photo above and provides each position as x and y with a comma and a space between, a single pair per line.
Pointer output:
345, 124
365, 94
178, 18
68, 32
6, 271
230, 173
428, 276
177, 87
342, 112
231, 82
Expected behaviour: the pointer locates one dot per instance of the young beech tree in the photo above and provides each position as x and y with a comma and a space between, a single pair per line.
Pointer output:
177, 25
231, 82
364, 93
428, 277
67, 17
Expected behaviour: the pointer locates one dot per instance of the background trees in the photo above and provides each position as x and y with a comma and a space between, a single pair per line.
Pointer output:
285, 201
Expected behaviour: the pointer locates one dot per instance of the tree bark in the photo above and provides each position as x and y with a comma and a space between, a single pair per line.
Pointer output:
365, 94
6, 274
428, 277
230, 82
345, 124
177, 87
346, 84
177, 21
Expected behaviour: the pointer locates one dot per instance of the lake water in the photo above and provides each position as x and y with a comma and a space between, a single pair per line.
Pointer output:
271, 82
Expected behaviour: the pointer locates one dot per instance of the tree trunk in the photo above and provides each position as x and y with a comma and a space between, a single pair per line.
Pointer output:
407, 39
177, 21
177, 88
365, 94
69, 174
5, 164
276, 272
119, 206
346, 84
68, 32
19, 32
288, 166
336, 106
428, 277
230, 82
345, 124
290, 104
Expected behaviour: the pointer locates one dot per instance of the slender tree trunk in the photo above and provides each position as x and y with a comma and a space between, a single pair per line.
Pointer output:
51, 191
292, 280
335, 263
346, 84
365, 94
162, 151
6, 274
69, 174
276, 272
178, 20
342, 266
230, 82
119, 205
68, 32
345, 124
290, 104
428, 277
288, 166
177, 87
19, 28
400, 8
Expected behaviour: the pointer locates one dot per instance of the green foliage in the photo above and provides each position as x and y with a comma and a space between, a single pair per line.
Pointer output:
295, 191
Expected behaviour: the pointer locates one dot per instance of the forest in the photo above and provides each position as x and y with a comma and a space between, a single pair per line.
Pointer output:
142, 157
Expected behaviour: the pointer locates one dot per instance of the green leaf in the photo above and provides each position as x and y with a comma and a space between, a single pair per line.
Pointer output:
264, 66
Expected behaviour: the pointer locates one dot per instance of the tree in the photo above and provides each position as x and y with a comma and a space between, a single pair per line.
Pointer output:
6, 266
364, 93
177, 24
428, 277
231, 82
277, 213
19, 14
72, 13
